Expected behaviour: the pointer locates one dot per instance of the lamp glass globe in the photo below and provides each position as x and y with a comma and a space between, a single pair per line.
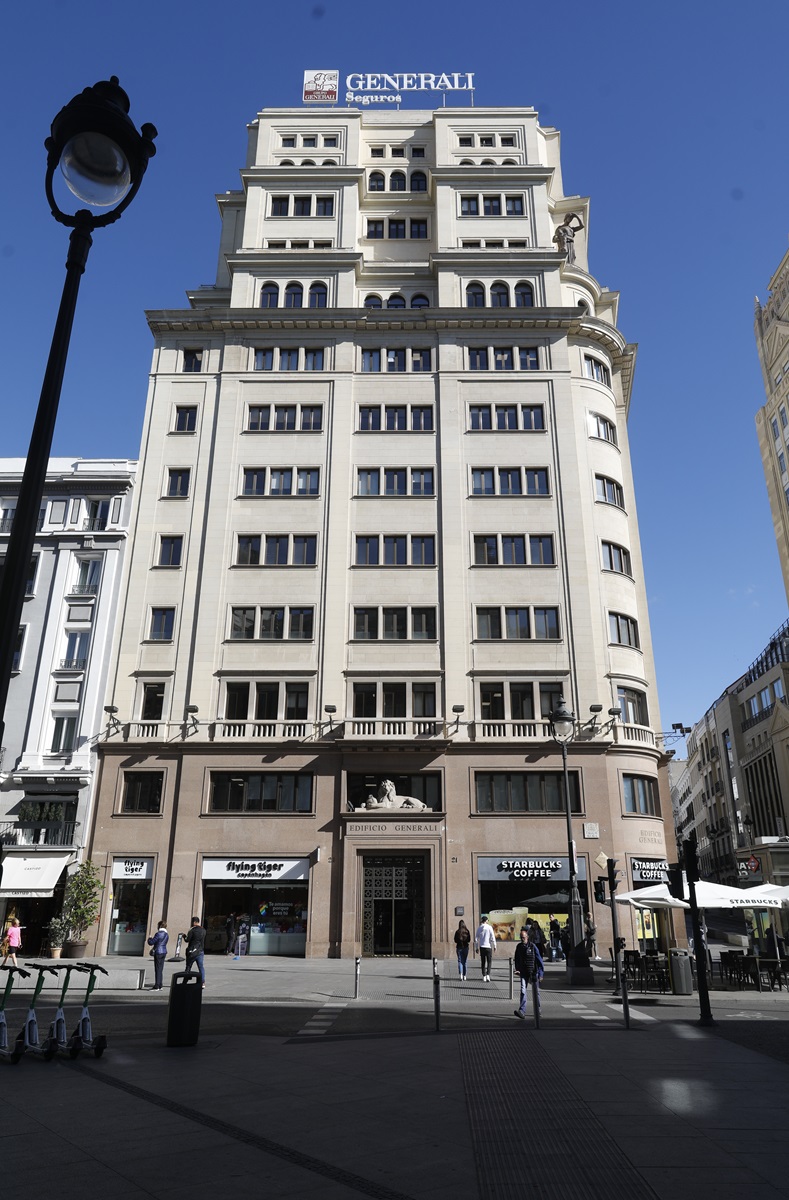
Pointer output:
95, 169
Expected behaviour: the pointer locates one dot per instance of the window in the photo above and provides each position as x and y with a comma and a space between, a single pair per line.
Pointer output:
311, 417
376, 152
296, 701
396, 417
307, 481
423, 624
524, 295
368, 481
162, 623
513, 550
783, 416
364, 700
537, 481
264, 360
397, 152
506, 140
528, 358
272, 624
266, 701
469, 206
395, 550
482, 481
313, 359
396, 301
178, 482
142, 791
371, 360
294, 295
781, 463
541, 550
305, 549
491, 701
20, 641
503, 359
289, 143
365, 624
641, 795
514, 206
185, 419
285, 417
395, 360
248, 551
465, 140
420, 301
478, 358
396, 229
601, 427
89, 576
418, 181
616, 558
417, 152
486, 550
236, 701
395, 481
366, 550
289, 359
395, 624
373, 302
533, 416
423, 550
324, 206
475, 296
499, 295
377, 184
422, 482
491, 206
479, 416
422, 417
170, 547
526, 792
329, 142
516, 624
489, 624
318, 295
242, 624
32, 570
623, 630
193, 360
370, 417
152, 701
546, 624
302, 206
420, 360
280, 206
633, 706
608, 491
309, 143
594, 369
418, 229
281, 481
254, 793
397, 182
506, 416
254, 481
77, 644
375, 229
521, 702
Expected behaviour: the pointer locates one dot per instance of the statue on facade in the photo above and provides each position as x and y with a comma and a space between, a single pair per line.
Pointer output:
387, 797
565, 235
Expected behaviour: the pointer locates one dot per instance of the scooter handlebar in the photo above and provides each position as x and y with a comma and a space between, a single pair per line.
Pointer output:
39, 967
19, 971
86, 966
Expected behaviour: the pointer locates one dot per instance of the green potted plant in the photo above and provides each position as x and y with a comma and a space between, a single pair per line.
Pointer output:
57, 935
81, 905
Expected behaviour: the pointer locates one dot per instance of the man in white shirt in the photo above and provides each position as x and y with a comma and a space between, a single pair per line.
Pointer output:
485, 941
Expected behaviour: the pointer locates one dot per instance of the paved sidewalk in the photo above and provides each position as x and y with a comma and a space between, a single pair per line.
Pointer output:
666, 1110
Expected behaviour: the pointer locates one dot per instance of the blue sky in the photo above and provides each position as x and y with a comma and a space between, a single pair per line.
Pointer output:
673, 120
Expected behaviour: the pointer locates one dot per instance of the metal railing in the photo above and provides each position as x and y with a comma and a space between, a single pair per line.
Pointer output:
83, 589
95, 523
73, 664
38, 833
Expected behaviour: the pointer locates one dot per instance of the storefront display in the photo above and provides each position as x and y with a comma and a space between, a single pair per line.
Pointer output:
650, 924
131, 900
512, 889
268, 898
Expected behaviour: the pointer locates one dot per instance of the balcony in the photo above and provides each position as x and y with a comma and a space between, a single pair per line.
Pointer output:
394, 727
5, 524
513, 731
39, 833
94, 524
73, 664
634, 735
83, 589
289, 731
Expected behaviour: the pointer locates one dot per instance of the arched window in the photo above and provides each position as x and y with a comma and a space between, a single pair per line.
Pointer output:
499, 295
328, 162
377, 182
286, 162
524, 295
488, 162
373, 301
509, 162
466, 162
475, 296
396, 302
418, 181
307, 162
397, 181
269, 295
318, 295
294, 295
420, 301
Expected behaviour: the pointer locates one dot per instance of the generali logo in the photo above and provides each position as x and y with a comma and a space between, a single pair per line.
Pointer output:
321, 87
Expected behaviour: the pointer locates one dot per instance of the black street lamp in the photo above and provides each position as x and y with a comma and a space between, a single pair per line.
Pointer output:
103, 159
578, 969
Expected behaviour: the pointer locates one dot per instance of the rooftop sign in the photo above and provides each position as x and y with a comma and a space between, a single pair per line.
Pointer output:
322, 87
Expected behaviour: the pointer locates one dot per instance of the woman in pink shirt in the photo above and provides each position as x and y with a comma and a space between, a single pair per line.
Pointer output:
14, 937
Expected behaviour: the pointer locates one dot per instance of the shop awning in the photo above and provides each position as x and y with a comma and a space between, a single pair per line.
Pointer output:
34, 874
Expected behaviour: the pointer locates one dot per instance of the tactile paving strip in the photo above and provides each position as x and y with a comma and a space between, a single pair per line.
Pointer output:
533, 1135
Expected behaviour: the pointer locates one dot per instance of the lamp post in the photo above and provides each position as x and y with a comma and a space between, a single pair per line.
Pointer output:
103, 159
578, 969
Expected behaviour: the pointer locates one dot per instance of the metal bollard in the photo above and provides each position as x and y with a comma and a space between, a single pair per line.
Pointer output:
535, 1001
435, 966
512, 979
358, 972
437, 1000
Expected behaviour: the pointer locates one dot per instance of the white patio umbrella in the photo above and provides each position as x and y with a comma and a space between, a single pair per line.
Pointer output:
657, 896
768, 892
718, 895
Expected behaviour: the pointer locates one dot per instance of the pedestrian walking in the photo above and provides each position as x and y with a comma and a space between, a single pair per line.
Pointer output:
230, 932
159, 954
555, 930
462, 945
485, 941
590, 934
531, 968
195, 948
12, 942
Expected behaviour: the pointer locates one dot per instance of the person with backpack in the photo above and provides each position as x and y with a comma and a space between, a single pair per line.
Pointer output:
159, 954
462, 945
531, 968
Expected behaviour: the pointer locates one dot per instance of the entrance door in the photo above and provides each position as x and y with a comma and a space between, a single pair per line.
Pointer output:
393, 906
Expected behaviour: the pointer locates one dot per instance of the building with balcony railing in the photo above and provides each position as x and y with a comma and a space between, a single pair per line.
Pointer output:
55, 703
385, 519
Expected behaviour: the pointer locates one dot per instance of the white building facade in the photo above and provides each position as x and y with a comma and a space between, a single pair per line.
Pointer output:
385, 519
54, 711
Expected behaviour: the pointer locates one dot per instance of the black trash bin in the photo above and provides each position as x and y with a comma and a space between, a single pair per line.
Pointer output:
183, 1014
680, 972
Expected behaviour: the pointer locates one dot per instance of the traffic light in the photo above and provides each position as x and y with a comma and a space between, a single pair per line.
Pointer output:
691, 860
619, 944
675, 884
613, 876
599, 890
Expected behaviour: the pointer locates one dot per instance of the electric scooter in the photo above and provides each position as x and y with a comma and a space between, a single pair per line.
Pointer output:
6, 1054
27, 1041
70, 1046
84, 1028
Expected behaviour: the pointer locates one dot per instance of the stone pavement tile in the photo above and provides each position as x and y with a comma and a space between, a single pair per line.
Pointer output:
647, 1150
671, 1183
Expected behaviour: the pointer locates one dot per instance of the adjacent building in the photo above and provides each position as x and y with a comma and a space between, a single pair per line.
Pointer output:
385, 519
54, 712
771, 326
